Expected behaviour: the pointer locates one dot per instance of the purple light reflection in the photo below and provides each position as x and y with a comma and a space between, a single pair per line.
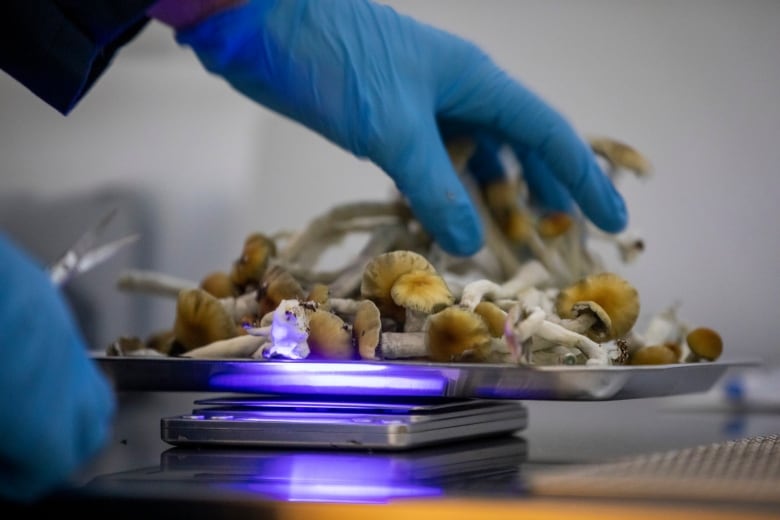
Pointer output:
336, 478
330, 378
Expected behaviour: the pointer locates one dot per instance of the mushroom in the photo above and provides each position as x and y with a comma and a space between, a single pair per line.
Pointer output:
162, 341
554, 224
421, 293
457, 334
620, 156
612, 293
329, 336
494, 316
201, 319
664, 328
152, 282
367, 329
402, 345
382, 272
705, 344
530, 330
591, 319
660, 354
249, 268
319, 293
289, 331
219, 285
531, 274
233, 348
277, 285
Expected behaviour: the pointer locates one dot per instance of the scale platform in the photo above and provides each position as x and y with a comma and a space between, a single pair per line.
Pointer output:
389, 405
343, 423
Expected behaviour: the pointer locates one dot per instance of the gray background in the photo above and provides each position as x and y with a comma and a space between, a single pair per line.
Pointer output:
693, 84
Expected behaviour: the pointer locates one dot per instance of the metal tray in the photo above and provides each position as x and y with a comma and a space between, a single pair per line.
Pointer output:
411, 379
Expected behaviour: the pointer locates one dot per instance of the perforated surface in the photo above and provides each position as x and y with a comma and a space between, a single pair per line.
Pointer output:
741, 470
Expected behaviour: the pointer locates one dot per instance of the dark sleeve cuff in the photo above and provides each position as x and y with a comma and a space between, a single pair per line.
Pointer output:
58, 49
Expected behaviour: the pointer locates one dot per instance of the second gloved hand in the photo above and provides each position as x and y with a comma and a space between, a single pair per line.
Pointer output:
377, 83
56, 408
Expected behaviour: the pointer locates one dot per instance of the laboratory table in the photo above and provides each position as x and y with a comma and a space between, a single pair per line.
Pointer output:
573, 459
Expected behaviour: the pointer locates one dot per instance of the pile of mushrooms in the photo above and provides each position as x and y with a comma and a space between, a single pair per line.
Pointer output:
536, 294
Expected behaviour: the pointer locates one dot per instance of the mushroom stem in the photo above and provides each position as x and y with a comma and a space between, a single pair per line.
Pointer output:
244, 305
402, 345
495, 241
300, 244
244, 346
629, 243
531, 274
559, 334
519, 329
579, 324
535, 324
344, 306
152, 282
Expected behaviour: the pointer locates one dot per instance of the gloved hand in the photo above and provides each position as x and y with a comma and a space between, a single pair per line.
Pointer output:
377, 83
56, 408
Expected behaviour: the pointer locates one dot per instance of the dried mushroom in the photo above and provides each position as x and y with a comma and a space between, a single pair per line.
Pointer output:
201, 319
705, 344
457, 334
612, 294
537, 293
382, 272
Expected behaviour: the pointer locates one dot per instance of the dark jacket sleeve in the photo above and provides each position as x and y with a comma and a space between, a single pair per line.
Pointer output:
59, 48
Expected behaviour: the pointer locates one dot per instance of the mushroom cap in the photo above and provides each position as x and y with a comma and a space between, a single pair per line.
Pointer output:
319, 293
621, 155
421, 290
367, 329
554, 224
494, 316
277, 285
618, 298
201, 319
601, 330
661, 354
329, 336
457, 334
251, 265
381, 273
219, 284
161, 341
705, 343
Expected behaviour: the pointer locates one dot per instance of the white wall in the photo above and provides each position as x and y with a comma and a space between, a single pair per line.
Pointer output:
693, 84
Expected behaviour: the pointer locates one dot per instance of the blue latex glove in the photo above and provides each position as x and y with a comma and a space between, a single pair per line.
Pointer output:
56, 407
377, 83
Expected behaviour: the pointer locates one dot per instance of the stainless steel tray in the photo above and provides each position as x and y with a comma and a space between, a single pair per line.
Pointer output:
411, 379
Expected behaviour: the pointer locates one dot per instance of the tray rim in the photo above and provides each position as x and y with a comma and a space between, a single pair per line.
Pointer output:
462, 380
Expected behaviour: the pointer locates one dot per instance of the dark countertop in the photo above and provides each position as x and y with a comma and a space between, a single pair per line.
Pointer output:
140, 469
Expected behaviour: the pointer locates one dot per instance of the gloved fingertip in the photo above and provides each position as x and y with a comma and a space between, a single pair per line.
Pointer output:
450, 219
462, 236
608, 211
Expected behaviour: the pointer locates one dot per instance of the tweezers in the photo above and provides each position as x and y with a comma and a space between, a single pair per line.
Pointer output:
83, 255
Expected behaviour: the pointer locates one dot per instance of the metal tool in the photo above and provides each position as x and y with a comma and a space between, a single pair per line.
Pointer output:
84, 254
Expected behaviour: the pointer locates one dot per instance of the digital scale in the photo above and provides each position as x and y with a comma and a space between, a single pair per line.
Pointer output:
343, 423
381, 405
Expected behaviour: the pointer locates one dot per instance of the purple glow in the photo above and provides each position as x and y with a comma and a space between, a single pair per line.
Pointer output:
345, 379
337, 478
354, 493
